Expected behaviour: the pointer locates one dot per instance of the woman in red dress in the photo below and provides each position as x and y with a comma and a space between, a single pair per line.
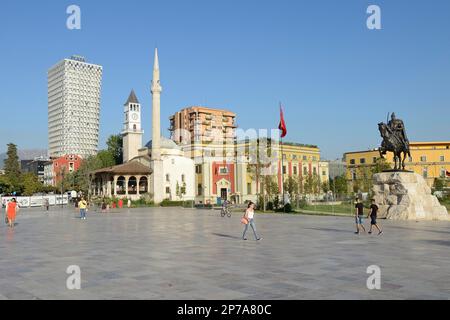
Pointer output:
11, 211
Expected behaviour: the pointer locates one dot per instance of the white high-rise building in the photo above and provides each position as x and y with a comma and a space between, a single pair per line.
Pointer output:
74, 88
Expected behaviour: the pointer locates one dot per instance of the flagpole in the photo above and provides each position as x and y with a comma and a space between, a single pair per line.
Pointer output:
282, 172
282, 166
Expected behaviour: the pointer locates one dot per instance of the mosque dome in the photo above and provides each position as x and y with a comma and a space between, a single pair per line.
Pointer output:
165, 143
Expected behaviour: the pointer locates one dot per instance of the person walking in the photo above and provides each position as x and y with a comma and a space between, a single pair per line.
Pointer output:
129, 203
373, 218
359, 213
120, 203
46, 204
249, 217
83, 206
11, 211
103, 206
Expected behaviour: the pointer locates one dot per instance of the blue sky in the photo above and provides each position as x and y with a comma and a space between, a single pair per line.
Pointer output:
335, 78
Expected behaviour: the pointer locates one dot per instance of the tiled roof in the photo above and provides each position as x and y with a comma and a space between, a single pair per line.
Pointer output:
131, 167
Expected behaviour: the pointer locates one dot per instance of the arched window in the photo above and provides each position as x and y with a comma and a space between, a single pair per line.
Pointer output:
134, 127
120, 186
132, 185
143, 185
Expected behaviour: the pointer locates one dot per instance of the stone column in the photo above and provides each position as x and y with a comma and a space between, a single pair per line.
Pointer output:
108, 188
115, 186
138, 179
127, 178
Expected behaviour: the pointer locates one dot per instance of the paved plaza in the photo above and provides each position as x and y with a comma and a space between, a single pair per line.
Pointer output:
175, 253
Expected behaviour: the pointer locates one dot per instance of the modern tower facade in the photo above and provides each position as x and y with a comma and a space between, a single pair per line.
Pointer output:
74, 89
132, 130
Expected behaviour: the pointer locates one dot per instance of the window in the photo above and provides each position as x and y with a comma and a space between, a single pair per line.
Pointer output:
295, 170
443, 173
314, 158
284, 156
305, 158
167, 178
167, 189
284, 169
182, 178
324, 173
198, 168
352, 161
249, 188
314, 171
354, 175
294, 157
442, 158
423, 159
199, 189
425, 172
362, 160
71, 167
223, 170
305, 171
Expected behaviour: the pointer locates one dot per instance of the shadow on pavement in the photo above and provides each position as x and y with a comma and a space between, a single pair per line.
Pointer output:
328, 229
225, 236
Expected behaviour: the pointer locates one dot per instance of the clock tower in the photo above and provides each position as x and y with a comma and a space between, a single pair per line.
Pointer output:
132, 132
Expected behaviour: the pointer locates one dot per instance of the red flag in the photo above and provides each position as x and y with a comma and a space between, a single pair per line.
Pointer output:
282, 125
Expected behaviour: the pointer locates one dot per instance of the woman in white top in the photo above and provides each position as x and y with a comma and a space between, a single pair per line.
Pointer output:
249, 214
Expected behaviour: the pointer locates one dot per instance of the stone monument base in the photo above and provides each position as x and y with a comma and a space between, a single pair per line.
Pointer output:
406, 196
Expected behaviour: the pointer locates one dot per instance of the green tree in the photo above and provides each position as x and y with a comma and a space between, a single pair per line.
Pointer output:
309, 184
439, 184
115, 147
339, 185
31, 184
325, 187
105, 159
291, 187
12, 168
380, 165
5, 186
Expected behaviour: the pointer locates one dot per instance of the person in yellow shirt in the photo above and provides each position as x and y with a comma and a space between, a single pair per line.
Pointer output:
82, 204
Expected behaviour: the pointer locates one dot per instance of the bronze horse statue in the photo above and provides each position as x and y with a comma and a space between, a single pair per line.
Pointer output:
393, 143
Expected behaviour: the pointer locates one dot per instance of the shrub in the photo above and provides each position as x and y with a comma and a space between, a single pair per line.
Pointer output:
302, 203
169, 203
286, 209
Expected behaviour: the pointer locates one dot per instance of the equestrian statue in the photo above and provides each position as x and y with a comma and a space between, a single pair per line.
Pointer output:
394, 140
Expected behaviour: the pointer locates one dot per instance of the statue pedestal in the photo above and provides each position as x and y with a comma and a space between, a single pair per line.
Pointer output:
406, 196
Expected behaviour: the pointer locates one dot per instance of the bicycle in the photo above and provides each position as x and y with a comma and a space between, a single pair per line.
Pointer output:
225, 211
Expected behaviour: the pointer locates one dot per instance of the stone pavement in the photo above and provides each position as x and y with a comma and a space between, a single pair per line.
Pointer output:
175, 253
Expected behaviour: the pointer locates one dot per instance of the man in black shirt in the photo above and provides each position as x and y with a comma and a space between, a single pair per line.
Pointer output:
373, 217
359, 213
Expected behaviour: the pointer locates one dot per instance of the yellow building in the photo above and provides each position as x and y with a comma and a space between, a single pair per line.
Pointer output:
227, 171
429, 159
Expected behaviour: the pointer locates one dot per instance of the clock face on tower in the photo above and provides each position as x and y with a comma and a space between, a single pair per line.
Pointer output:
134, 116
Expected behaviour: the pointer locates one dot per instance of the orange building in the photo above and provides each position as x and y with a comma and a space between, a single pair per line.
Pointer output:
202, 125
57, 168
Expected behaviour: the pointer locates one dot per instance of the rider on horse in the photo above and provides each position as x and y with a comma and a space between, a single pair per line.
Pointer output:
397, 128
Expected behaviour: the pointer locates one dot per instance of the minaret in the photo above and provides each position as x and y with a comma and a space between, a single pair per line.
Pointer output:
157, 185
132, 131
156, 90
